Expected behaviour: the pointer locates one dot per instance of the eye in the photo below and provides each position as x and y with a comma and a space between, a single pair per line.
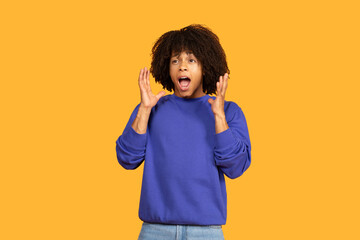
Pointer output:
174, 61
192, 60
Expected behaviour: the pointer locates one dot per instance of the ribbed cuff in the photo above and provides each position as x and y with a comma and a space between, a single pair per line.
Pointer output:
224, 139
134, 139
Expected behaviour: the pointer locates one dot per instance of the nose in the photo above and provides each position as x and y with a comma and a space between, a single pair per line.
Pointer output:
183, 66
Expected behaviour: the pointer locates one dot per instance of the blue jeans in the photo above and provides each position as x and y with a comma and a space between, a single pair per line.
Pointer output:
157, 231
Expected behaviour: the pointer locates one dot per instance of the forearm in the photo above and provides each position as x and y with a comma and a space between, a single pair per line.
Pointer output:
141, 121
220, 123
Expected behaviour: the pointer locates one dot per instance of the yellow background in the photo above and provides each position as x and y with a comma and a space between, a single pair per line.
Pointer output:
69, 73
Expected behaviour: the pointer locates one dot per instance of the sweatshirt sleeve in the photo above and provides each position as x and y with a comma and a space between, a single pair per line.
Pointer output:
130, 146
232, 146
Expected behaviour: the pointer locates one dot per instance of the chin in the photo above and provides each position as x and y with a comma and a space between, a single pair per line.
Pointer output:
186, 93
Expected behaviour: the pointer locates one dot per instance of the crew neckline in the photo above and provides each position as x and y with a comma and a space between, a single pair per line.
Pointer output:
190, 99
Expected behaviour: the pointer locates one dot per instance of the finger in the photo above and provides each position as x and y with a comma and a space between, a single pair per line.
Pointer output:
220, 85
217, 88
143, 75
147, 77
160, 94
140, 77
226, 77
141, 71
143, 79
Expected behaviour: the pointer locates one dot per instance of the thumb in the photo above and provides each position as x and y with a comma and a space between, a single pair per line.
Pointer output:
210, 100
160, 94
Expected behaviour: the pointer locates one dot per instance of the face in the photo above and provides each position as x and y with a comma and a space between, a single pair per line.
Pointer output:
186, 74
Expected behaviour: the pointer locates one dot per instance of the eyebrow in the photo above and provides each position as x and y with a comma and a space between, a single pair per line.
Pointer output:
178, 54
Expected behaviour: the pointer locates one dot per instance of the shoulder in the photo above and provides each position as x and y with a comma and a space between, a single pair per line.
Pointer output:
232, 110
229, 105
165, 98
162, 101
232, 106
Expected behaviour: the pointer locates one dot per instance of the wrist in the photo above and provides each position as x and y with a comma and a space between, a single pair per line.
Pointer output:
220, 123
220, 115
145, 109
141, 120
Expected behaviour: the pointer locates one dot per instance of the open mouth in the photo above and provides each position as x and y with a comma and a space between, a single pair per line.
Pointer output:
184, 83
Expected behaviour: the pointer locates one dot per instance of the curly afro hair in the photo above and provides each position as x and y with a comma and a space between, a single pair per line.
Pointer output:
202, 42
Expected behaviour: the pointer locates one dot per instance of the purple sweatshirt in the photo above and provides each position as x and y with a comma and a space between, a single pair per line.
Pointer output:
185, 161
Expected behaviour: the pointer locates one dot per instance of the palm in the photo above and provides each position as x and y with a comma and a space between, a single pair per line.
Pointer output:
148, 99
217, 105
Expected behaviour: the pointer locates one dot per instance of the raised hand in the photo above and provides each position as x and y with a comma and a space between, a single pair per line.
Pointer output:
148, 99
217, 105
